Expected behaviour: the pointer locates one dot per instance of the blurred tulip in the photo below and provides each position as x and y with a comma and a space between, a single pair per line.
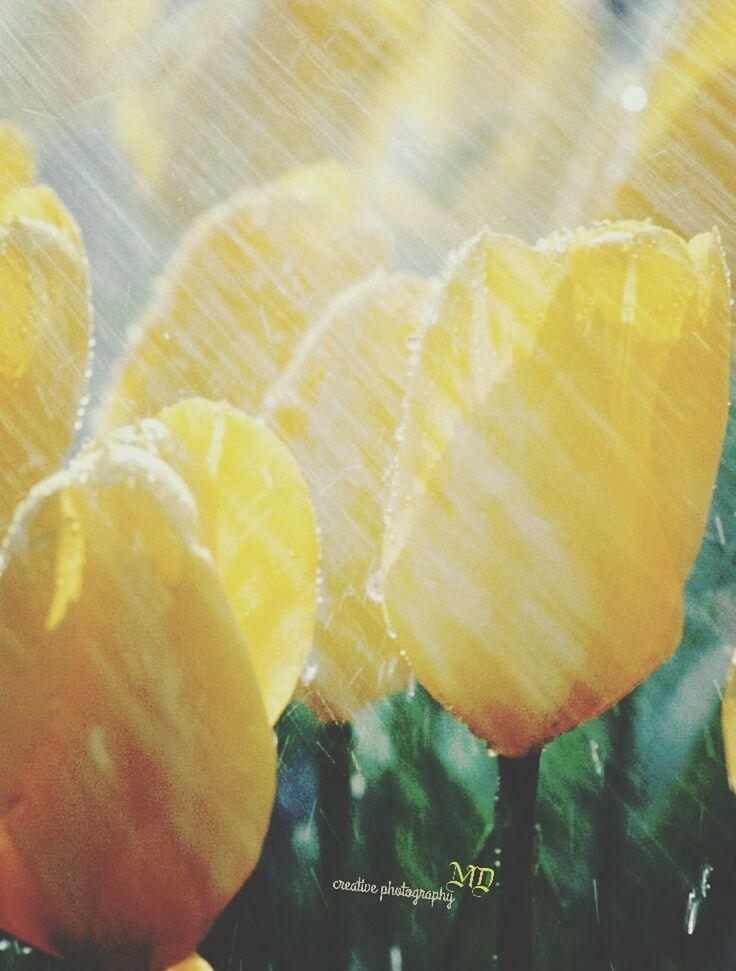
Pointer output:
337, 406
681, 171
227, 92
45, 325
481, 122
248, 280
561, 437
72, 52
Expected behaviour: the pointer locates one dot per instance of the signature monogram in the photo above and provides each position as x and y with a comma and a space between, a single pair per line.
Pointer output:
479, 879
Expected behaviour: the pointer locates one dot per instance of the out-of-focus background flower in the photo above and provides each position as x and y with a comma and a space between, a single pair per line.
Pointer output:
452, 114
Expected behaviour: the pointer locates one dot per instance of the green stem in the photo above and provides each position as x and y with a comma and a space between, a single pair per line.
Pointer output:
617, 797
335, 831
515, 829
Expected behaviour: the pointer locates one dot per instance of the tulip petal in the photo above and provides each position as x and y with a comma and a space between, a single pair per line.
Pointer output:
17, 159
529, 572
338, 406
266, 538
41, 204
137, 711
692, 406
45, 329
495, 297
243, 288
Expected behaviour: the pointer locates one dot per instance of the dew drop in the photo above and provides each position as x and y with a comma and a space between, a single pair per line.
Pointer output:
374, 588
310, 670
357, 785
413, 342
696, 897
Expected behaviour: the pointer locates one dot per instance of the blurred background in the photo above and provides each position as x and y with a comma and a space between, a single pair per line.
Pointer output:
525, 116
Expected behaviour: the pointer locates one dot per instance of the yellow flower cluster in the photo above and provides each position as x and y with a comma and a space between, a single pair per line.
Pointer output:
503, 472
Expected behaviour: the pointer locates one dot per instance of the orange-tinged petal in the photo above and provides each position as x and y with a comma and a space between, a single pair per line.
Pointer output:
44, 340
530, 574
266, 538
136, 711
244, 286
338, 406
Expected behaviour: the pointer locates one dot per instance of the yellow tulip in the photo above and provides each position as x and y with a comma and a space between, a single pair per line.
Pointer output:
138, 763
247, 281
44, 325
681, 172
337, 406
234, 91
561, 437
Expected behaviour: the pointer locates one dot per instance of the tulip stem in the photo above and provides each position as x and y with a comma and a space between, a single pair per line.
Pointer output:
515, 829
335, 830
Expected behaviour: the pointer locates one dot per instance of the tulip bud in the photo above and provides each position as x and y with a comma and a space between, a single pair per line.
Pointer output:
138, 763
560, 440
338, 406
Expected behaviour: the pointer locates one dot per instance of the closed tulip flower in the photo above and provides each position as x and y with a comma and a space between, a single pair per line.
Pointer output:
560, 441
154, 732
338, 406
136, 792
